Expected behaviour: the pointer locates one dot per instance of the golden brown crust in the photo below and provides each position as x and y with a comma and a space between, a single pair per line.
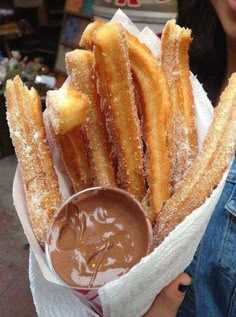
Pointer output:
182, 136
72, 149
117, 92
28, 135
186, 87
154, 96
80, 68
207, 169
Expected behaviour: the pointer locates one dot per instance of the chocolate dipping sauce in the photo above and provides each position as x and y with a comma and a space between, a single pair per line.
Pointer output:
97, 236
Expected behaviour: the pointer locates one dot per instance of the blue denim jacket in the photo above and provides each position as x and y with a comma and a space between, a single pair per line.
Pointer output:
213, 269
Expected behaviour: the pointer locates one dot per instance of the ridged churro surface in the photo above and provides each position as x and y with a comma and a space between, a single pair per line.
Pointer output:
153, 91
208, 168
118, 101
28, 135
182, 136
70, 138
80, 67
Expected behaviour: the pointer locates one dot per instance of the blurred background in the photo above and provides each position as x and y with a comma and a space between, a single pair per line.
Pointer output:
34, 37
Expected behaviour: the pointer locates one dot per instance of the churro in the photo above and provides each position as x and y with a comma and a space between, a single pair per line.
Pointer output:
27, 131
153, 98
71, 144
155, 106
80, 68
207, 169
116, 89
182, 137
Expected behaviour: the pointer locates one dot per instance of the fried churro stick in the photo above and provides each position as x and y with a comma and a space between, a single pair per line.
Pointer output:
207, 169
71, 145
80, 68
153, 93
27, 131
86, 40
155, 106
182, 137
74, 155
117, 93
64, 117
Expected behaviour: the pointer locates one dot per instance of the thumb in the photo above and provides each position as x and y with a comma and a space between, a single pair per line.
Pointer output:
170, 298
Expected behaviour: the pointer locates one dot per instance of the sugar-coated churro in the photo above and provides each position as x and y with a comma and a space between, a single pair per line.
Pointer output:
26, 126
182, 137
154, 104
71, 145
116, 89
207, 169
80, 68
68, 108
154, 96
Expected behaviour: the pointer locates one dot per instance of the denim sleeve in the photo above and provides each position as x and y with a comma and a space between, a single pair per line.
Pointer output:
213, 269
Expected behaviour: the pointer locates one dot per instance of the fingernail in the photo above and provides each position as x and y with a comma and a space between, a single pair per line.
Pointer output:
26, 246
183, 288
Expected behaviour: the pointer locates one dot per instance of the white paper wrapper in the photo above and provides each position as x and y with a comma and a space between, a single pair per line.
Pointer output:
132, 294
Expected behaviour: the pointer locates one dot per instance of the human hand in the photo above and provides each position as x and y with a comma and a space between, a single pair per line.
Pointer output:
167, 303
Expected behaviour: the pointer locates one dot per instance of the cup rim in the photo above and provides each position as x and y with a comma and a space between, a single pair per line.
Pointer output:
91, 189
